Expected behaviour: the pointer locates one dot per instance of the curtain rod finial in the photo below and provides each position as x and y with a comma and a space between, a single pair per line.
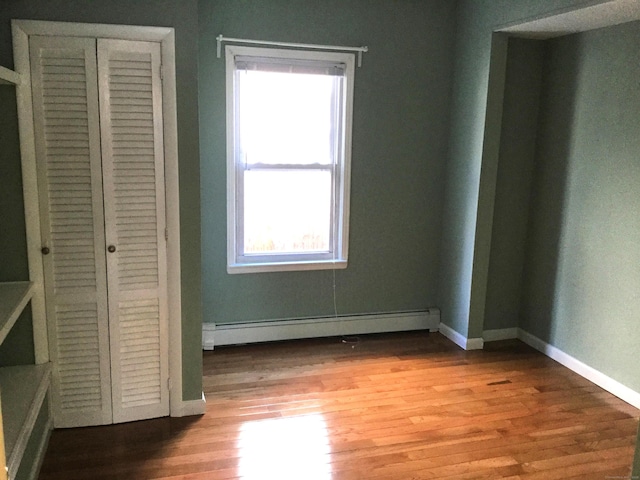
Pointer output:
219, 46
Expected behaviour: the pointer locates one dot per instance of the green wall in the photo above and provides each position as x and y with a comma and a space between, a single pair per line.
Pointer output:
583, 260
513, 183
13, 265
473, 155
427, 156
183, 16
400, 127
18, 346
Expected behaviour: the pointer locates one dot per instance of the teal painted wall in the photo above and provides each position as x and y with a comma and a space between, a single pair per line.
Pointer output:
400, 128
13, 264
583, 260
183, 16
471, 172
513, 183
18, 346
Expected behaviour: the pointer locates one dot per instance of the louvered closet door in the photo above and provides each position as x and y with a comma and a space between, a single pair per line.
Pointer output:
67, 131
133, 182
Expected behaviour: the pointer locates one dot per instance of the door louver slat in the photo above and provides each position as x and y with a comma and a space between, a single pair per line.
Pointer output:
134, 179
67, 130
79, 366
139, 345
99, 147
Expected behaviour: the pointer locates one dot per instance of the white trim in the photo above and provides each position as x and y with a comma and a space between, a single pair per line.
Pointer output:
191, 407
30, 191
42, 450
337, 257
9, 77
602, 380
166, 36
14, 297
474, 344
500, 334
308, 46
267, 331
286, 266
95, 30
453, 335
36, 394
172, 192
461, 340
208, 336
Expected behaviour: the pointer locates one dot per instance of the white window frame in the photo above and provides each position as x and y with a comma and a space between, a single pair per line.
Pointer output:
336, 258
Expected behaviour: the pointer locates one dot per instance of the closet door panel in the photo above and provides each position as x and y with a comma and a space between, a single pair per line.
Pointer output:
133, 178
67, 132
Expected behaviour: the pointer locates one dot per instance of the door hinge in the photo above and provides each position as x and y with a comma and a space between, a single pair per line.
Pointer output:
169, 383
161, 72
166, 234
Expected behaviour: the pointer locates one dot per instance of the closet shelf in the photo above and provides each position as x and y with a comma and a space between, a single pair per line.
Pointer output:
9, 77
22, 390
14, 296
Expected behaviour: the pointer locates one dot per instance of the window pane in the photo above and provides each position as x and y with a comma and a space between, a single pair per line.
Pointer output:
285, 118
288, 158
287, 211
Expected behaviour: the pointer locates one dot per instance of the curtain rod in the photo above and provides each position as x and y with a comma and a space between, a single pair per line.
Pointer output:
358, 50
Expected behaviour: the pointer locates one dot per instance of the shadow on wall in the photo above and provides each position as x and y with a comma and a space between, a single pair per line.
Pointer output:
13, 263
518, 135
548, 193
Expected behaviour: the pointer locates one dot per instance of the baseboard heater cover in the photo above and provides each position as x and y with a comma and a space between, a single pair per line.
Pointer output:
273, 330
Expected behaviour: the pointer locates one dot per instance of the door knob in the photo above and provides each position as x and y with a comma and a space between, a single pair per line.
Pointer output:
45, 250
111, 248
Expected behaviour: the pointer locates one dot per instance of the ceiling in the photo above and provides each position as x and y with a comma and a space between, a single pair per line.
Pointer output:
598, 15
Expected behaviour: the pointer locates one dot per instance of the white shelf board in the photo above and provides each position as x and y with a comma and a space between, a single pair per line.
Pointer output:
14, 296
22, 389
9, 77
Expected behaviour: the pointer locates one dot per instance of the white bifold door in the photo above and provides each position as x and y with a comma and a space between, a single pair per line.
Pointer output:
99, 148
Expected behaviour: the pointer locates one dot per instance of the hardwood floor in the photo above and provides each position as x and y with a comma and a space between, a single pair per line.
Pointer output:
394, 406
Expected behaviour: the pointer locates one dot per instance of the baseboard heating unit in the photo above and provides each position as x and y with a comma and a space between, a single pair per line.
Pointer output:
272, 330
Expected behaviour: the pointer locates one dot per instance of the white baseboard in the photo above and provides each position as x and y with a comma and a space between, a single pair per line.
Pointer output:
267, 331
208, 336
607, 383
190, 407
461, 340
500, 334
474, 344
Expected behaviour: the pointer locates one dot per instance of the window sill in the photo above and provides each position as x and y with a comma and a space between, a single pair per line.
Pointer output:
286, 266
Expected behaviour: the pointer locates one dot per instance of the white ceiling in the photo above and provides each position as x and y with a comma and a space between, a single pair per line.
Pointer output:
605, 14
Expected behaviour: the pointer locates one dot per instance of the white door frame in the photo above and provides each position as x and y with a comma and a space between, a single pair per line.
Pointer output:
22, 29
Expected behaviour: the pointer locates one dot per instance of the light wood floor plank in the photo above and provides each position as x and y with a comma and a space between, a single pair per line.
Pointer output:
403, 406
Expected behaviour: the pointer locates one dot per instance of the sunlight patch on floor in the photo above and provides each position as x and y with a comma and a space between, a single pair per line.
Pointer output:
285, 449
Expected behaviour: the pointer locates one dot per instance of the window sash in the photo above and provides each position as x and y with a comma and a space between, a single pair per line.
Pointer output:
338, 166
283, 65
329, 254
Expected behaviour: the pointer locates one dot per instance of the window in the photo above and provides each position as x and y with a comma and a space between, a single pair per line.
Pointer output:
288, 158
